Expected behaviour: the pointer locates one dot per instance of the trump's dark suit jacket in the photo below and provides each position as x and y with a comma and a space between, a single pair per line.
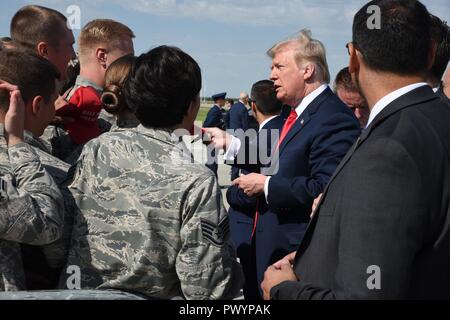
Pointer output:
308, 156
387, 207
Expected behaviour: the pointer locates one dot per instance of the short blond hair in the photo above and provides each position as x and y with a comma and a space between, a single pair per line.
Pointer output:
306, 49
105, 32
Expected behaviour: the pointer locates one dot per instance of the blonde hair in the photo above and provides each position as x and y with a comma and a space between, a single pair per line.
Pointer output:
105, 32
306, 49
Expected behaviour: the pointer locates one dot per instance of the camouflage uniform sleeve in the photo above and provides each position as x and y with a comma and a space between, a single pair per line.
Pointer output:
206, 264
31, 204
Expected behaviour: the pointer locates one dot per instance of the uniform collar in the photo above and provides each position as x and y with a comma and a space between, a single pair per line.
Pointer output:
83, 82
29, 139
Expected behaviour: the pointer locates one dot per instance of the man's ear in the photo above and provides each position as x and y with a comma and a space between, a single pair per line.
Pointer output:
432, 55
42, 49
254, 107
36, 105
102, 56
354, 62
308, 71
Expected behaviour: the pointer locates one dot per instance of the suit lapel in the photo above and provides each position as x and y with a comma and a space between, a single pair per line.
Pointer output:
420, 95
305, 117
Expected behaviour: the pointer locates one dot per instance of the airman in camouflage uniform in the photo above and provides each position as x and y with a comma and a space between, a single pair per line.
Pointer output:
55, 253
39, 81
31, 210
150, 220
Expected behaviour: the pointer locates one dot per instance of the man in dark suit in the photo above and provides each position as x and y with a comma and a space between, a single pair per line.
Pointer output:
215, 119
382, 228
440, 33
315, 137
266, 109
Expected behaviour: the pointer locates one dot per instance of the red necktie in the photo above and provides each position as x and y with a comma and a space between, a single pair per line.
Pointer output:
255, 219
287, 127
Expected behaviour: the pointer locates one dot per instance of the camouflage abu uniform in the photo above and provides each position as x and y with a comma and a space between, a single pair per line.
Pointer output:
116, 123
31, 210
55, 253
150, 221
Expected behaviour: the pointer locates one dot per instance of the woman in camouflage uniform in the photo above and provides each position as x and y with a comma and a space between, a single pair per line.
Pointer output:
150, 220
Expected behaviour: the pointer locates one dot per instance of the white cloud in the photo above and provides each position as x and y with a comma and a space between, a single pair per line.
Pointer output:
253, 12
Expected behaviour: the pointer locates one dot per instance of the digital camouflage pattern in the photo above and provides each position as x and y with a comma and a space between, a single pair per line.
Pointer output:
72, 295
150, 221
31, 210
124, 123
107, 123
56, 252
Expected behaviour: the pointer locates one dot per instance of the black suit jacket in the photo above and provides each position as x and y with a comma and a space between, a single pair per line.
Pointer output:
442, 95
387, 205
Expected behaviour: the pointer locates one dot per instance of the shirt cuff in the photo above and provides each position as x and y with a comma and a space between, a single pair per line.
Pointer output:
266, 189
233, 150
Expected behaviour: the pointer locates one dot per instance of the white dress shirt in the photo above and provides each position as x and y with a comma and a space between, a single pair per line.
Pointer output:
261, 126
388, 99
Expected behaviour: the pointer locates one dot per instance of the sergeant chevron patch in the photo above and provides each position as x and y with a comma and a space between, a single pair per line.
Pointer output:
215, 234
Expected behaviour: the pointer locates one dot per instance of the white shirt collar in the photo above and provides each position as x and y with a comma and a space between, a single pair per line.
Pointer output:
261, 126
310, 98
388, 99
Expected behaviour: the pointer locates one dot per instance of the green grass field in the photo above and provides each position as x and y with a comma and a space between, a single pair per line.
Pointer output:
204, 108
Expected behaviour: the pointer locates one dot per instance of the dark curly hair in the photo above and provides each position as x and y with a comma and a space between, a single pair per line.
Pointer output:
440, 32
161, 86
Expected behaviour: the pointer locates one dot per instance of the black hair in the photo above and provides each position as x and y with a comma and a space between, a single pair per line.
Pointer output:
161, 86
265, 98
403, 42
38, 79
440, 32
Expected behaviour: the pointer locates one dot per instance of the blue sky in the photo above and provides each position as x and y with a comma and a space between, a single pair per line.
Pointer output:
227, 38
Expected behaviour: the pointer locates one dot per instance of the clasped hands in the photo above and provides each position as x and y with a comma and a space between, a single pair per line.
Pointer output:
278, 273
